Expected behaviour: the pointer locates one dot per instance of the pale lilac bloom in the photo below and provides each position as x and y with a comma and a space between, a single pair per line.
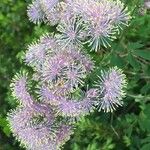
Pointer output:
35, 12
63, 134
73, 32
52, 10
49, 96
74, 74
35, 55
92, 93
74, 54
100, 35
81, 107
72, 108
37, 51
47, 5
53, 69
111, 89
49, 41
32, 135
121, 16
66, 106
36, 126
71, 67
44, 10
102, 18
147, 4
83, 58
88, 63
67, 11
20, 89
53, 17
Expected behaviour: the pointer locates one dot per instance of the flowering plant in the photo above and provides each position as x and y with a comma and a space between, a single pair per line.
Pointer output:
61, 65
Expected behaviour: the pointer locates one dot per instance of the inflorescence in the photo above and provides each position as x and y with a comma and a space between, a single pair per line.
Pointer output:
45, 121
95, 22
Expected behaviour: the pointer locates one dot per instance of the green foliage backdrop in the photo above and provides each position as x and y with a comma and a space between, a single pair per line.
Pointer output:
126, 129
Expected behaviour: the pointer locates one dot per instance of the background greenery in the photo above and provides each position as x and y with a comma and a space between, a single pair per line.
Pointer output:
126, 129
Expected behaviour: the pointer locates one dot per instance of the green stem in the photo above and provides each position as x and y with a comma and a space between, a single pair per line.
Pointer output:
125, 31
111, 121
139, 96
140, 74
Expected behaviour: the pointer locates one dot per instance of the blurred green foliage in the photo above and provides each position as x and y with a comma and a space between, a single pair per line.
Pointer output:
126, 129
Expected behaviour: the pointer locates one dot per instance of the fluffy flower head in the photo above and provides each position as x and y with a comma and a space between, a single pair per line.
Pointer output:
111, 89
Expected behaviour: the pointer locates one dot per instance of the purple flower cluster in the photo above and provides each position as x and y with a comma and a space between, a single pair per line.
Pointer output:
95, 22
45, 121
36, 124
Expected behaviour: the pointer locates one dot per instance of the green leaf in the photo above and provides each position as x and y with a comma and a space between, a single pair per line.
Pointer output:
146, 147
145, 89
118, 47
133, 62
92, 146
127, 140
134, 45
143, 53
4, 125
146, 140
7, 131
117, 61
3, 122
144, 120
